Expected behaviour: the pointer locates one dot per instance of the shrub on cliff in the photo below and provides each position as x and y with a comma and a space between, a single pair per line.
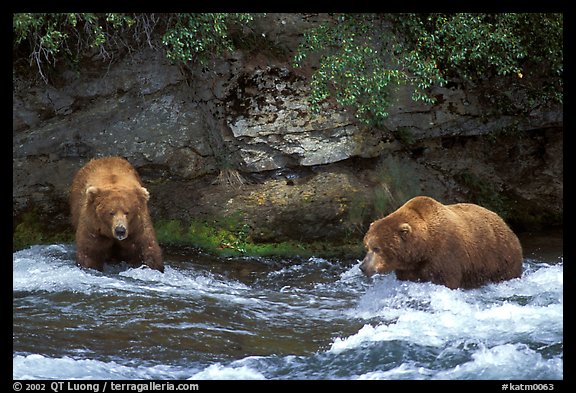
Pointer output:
358, 58
58, 36
361, 56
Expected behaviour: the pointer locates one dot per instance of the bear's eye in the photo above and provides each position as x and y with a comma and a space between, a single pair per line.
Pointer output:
111, 213
376, 249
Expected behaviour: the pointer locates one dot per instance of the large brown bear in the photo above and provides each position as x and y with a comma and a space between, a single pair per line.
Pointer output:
109, 209
459, 246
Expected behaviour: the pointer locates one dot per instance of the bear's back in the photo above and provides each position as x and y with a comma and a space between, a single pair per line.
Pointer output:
110, 171
469, 245
490, 241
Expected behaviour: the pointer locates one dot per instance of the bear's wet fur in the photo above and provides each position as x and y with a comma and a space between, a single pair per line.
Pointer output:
109, 208
460, 246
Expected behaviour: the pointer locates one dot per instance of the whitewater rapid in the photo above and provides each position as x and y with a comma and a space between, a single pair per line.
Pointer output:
258, 318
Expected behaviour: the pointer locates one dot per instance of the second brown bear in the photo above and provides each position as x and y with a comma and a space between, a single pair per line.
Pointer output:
459, 246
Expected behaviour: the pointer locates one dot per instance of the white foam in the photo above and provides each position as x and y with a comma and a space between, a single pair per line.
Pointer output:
498, 323
40, 268
69, 368
539, 281
221, 372
405, 371
44, 367
506, 361
501, 362
433, 315
352, 274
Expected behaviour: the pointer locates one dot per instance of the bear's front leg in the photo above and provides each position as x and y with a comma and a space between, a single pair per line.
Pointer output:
150, 252
89, 259
90, 252
144, 253
152, 256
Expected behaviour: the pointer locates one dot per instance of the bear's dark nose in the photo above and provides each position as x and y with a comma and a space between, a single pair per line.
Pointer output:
120, 232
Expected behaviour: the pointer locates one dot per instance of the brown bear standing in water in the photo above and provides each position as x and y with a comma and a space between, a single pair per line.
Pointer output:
459, 246
109, 209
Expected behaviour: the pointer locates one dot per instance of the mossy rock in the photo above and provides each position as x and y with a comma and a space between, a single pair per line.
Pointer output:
222, 239
30, 229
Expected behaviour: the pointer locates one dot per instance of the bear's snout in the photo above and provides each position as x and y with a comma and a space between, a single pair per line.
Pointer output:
366, 266
120, 232
120, 226
374, 264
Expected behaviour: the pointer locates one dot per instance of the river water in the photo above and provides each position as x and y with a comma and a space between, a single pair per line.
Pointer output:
266, 318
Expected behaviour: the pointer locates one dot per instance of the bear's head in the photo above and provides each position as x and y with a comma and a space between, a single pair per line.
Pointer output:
398, 241
117, 209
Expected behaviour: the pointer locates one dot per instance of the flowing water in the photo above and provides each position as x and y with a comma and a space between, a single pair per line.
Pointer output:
264, 318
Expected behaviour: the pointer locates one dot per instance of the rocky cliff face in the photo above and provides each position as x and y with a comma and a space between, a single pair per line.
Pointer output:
239, 139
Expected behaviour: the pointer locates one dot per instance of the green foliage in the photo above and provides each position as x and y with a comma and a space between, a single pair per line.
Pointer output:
225, 237
53, 36
352, 67
195, 36
362, 56
185, 37
524, 50
478, 45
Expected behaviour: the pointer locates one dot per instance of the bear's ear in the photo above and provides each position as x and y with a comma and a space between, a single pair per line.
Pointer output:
404, 230
91, 192
145, 193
